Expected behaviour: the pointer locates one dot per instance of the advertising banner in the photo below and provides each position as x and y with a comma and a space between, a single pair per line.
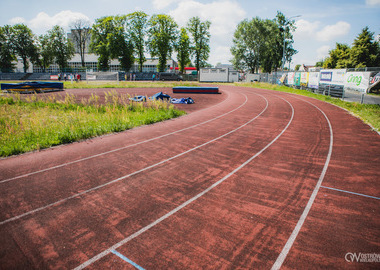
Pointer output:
304, 78
332, 76
291, 78
375, 83
358, 81
297, 79
313, 80
91, 77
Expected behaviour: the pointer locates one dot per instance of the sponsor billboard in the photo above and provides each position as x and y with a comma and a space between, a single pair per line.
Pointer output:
291, 78
332, 76
297, 79
313, 80
358, 81
304, 78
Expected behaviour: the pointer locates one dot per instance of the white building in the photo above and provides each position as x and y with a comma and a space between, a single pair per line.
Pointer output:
218, 75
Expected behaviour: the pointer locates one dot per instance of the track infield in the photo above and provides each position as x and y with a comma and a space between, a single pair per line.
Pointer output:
250, 179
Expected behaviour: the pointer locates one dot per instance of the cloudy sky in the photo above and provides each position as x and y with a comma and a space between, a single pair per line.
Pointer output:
321, 24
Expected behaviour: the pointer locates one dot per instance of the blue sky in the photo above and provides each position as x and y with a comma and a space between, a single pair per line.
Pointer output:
321, 25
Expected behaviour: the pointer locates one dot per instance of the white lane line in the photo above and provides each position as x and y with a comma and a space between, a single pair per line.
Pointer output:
125, 147
281, 258
144, 229
121, 256
134, 173
350, 192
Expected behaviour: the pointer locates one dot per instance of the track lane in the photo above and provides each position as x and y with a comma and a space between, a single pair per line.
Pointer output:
244, 222
35, 186
186, 203
235, 224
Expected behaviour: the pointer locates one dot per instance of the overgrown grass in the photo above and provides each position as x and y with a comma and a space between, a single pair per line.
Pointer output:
125, 84
369, 113
33, 124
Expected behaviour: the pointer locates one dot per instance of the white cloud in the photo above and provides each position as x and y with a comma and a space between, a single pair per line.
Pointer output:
220, 54
330, 32
161, 4
323, 52
306, 29
373, 2
44, 22
17, 20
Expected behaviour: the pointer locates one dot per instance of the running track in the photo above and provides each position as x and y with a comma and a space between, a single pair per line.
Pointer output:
258, 180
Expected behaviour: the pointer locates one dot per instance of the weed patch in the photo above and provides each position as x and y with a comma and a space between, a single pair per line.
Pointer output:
35, 124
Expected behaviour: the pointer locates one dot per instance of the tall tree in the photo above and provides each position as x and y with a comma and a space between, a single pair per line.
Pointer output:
365, 52
248, 44
163, 34
23, 43
183, 49
338, 57
111, 40
286, 27
120, 42
63, 49
100, 32
200, 35
45, 51
271, 53
6, 52
81, 33
138, 25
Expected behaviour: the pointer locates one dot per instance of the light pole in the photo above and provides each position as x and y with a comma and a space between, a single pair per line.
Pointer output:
283, 49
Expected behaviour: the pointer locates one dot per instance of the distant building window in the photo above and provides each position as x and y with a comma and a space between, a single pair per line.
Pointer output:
222, 71
205, 70
214, 71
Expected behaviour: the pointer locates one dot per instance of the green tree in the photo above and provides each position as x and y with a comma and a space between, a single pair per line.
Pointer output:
138, 25
260, 43
45, 51
101, 29
249, 44
62, 48
297, 67
120, 43
338, 57
23, 44
320, 63
200, 36
286, 27
6, 52
163, 34
183, 49
271, 53
111, 40
365, 52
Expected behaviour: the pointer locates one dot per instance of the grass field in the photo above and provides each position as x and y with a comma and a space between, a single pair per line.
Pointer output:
33, 124
369, 113
125, 84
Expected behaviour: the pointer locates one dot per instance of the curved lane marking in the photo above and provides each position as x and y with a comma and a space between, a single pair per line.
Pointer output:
128, 146
281, 258
175, 210
135, 172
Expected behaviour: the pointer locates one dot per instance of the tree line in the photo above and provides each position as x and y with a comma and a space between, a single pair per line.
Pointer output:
263, 43
364, 52
124, 37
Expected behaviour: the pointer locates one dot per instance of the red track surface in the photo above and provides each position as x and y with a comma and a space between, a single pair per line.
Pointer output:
221, 188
